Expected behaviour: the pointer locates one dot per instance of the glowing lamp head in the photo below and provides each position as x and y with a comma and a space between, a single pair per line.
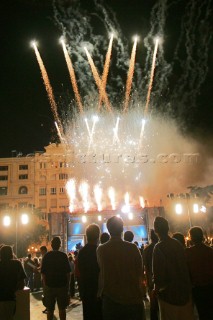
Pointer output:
6, 221
195, 208
99, 218
24, 218
178, 208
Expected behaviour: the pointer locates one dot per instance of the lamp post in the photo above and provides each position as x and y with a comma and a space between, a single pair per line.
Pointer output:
7, 222
179, 206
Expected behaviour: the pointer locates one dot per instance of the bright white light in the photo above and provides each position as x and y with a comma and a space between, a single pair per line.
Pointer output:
130, 215
125, 209
95, 118
24, 218
203, 209
195, 208
6, 221
61, 40
135, 38
33, 43
118, 215
99, 218
84, 219
179, 208
158, 39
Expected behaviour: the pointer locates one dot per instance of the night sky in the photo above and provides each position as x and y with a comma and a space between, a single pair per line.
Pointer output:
26, 122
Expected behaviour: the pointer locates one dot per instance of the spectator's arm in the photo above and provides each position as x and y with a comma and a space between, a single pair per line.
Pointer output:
43, 279
159, 269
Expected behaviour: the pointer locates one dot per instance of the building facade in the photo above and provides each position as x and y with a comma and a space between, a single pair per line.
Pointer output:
38, 181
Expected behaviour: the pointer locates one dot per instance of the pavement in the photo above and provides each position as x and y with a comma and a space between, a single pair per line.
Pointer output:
74, 311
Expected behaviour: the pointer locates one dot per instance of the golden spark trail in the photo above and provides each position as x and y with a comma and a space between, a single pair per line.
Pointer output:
91, 134
143, 122
49, 91
151, 77
106, 70
115, 137
130, 75
98, 81
72, 77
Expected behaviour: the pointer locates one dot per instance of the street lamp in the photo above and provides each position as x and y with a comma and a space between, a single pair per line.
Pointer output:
195, 208
24, 218
178, 208
6, 221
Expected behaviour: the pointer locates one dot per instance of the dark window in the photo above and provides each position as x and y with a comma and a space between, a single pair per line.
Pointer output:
23, 190
22, 205
52, 190
63, 176
42, 191
23, 167
4, 206
3, 168
3, 191
23, 176
3, 178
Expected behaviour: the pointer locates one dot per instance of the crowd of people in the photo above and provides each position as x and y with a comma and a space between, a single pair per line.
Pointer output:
114, 276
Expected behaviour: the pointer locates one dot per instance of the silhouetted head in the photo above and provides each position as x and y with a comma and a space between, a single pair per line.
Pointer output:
104, 237
161, 226
180, 237
128, 236
56, 243
196, 235
153, 236
92, 233
115, 226
43, 250
6, 253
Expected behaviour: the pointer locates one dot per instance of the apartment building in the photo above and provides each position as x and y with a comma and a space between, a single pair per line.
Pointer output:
38, 180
